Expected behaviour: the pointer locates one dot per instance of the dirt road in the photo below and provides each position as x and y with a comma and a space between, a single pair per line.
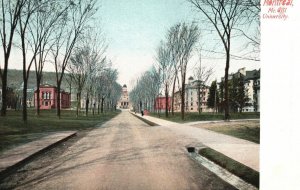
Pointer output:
124, 153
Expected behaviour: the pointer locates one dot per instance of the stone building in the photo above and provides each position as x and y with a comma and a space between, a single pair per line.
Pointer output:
192, 101
252, 87
123, 103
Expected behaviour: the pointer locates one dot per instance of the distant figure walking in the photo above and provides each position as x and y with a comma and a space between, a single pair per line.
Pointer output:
142, 112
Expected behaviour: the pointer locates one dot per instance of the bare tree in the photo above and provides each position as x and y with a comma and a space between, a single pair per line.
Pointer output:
224, 15
166, 71
172, 43
145, 90
202, 75
188, 35
10, 13
29, 8
86, 61
32, 35
105, 84
75, 21
44, 22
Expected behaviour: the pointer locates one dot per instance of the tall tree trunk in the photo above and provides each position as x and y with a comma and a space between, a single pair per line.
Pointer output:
58, 101
98, 104
38, 97
78, 103
38, 103
199, 99
24, 116
227, 116
87, 101
102, 104
167, 103
183, 94
173, 92
93, 111
4, 88
25, 78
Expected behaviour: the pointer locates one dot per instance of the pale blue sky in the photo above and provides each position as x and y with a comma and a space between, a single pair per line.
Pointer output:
134, 29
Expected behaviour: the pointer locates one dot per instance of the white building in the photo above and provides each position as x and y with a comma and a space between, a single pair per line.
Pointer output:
123, 103
191, 97
252, 86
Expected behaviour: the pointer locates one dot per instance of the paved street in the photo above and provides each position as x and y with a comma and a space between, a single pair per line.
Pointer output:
124, 153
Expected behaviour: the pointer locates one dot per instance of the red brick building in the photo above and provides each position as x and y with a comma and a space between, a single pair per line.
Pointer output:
48, 99
160, 103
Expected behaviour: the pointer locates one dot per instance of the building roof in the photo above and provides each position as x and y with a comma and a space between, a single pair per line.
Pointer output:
250, 75
47, 86
191, 78
254, 74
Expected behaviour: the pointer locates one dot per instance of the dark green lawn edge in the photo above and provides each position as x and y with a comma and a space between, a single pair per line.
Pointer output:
205, 116
145, 120
11, 169
247, 174
239, 133
86, 123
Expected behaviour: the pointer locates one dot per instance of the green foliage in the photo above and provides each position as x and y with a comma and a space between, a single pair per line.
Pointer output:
13, 131
248, 130
244, 172
213, 96
238, 94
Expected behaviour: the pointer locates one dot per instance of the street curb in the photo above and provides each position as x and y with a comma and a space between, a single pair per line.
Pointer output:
219, 170
145, 120
9, 170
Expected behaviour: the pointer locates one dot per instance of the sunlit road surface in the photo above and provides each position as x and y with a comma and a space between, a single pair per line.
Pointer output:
125, 153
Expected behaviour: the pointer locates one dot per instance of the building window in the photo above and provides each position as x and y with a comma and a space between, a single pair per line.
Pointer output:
46, 103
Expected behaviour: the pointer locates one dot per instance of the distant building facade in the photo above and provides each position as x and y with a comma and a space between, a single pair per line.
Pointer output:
161, 103
124, 102
48, 98
252, 86
193, 89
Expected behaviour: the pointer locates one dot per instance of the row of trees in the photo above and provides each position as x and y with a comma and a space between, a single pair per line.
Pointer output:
145, 90
238, 95
48, 31
172, 58
91, 73
228, 19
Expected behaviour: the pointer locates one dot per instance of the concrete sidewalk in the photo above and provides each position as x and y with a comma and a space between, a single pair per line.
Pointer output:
16, 156
243, 151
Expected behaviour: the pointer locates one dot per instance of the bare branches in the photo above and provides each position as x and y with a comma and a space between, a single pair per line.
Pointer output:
73, 24
224, 16
10, 11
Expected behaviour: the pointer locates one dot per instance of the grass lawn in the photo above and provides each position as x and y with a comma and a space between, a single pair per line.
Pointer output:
13, 131
248, 130
244, 172
195, 116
